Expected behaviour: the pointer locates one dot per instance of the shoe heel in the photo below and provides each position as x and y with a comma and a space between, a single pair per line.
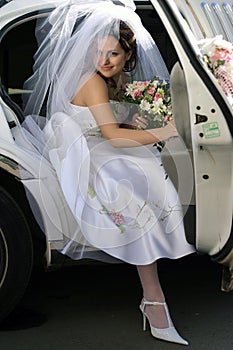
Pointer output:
144, 322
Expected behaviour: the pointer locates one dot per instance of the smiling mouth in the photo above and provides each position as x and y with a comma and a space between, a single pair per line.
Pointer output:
105, 68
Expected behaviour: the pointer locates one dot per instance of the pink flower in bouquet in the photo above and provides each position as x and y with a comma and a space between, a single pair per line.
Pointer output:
167, 118
139, 83
136, 93
157, 96
151, 90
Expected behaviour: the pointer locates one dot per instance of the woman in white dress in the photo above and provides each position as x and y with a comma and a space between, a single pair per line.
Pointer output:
111, 175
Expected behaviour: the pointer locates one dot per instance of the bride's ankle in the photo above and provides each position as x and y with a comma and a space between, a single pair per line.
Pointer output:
157, 299
154, 294
157, 315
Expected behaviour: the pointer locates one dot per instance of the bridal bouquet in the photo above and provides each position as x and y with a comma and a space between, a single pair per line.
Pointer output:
153, 100
218, 56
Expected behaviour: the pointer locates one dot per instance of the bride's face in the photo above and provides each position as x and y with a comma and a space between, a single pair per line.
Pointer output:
111, 57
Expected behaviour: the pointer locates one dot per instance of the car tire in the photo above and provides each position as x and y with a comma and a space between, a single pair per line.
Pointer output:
16, 254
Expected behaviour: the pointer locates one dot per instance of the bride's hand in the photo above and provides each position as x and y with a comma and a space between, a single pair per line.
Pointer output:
167, 132
139, 121
170, 130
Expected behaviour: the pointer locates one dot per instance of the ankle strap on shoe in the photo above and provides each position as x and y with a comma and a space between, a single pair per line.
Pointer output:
146, 302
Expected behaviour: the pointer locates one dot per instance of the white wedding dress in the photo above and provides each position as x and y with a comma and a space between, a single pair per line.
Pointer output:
123, 201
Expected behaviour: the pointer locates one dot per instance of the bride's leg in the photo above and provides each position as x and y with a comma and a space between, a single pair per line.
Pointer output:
154, 308
152, 291
150, 282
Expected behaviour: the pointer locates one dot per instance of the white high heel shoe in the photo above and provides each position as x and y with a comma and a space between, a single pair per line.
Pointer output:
169, 334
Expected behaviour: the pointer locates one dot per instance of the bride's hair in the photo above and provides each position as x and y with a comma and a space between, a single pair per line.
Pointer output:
128, 42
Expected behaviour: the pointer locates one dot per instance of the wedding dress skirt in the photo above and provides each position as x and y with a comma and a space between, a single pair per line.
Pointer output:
124, 203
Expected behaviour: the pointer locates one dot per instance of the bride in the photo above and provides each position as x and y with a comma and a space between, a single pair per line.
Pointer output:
110, 173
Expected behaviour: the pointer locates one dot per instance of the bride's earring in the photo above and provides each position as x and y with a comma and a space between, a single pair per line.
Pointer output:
127, 67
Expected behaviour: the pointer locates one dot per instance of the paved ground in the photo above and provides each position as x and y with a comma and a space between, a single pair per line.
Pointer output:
96, 308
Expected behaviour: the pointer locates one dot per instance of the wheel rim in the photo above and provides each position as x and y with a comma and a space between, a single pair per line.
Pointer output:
3, 258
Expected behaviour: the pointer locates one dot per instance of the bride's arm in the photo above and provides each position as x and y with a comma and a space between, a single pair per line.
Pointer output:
94, 95
123, 137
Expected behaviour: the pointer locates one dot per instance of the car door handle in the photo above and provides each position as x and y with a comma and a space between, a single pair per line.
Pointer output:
200, 118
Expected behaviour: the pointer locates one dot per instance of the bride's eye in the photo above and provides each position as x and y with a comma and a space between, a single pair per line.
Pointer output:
114, 53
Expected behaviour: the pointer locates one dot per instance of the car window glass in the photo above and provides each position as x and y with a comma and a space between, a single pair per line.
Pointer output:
16, 58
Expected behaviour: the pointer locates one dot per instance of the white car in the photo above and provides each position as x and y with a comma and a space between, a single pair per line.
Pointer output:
201, 166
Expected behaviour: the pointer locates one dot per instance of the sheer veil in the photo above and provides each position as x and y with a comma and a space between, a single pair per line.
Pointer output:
68, 38
67, 56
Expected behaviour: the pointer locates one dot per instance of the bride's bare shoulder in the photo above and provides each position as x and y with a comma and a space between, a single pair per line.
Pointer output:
93, 89
88, 78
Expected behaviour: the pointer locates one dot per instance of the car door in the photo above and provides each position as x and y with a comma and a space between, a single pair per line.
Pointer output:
18, 45
204, 117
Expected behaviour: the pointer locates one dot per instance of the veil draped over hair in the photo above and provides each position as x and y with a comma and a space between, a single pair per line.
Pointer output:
68, 41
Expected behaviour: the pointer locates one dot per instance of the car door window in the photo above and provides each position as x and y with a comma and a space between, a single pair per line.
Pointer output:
17, 50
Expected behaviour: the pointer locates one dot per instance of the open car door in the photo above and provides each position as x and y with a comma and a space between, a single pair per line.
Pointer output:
204, 118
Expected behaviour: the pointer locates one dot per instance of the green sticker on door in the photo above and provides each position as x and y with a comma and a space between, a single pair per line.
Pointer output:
211, 130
